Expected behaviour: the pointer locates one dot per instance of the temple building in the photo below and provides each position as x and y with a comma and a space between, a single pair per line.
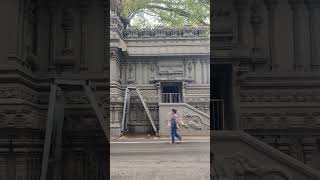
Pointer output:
43, 42
265, 88
171, 69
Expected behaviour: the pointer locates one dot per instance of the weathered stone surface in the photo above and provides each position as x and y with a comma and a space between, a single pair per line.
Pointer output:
148, 58
265, 71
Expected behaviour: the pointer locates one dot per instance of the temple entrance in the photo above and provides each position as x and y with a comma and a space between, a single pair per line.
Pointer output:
171, 92
221, 97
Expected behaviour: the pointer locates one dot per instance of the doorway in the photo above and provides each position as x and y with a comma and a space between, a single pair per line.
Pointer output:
171, 92
221, 97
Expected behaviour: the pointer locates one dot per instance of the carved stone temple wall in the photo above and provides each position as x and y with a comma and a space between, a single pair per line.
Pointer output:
272, 49
148, 58
41, 40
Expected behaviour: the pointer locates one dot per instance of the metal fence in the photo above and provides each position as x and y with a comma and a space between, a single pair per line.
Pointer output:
171, 97
218, 114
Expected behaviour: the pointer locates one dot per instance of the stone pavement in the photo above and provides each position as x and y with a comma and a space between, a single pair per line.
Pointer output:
153, 158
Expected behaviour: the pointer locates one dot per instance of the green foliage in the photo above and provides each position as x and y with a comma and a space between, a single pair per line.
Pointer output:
171, 13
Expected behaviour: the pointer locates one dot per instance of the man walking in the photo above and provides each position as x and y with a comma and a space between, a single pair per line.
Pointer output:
174, 125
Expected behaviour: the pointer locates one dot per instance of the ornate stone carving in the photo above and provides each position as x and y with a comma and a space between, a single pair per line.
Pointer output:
65, 60
18, 92
162, 32
241, 168
194, 121
170, 70
31, 36
284, 96
24, 117
279, 120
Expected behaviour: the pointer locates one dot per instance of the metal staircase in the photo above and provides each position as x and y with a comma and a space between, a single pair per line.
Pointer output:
126, 108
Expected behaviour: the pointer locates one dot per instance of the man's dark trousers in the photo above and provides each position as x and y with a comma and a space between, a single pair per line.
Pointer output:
174, 131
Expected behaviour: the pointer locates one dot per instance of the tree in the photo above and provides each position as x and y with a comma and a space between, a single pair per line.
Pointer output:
171, 13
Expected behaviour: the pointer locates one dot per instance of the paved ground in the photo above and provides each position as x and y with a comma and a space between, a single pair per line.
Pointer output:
157, 159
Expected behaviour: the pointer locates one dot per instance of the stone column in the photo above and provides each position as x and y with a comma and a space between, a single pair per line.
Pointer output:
185, 67
189, 70
198, 71
208, 71
84, 24
202, 71
301, 35
314, 9
52, 39
271, 7
135, 72
235, 99
114, 60
205, 62
245, 37
194, 71
140, 69
116, 115
123, 73
145, 72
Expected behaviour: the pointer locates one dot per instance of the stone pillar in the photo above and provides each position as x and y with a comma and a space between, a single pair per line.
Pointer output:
208, 71
198, 72
116, 115
205, 72
271, 7
301, 35
15, 25
185, 68
145, 72
258, 21
314, 9
202, 71
189, 76
235, 98
195, 71
124, 73
84, 24
140, 69
158, 86
52, 40
135, 72
114, 60
245, 37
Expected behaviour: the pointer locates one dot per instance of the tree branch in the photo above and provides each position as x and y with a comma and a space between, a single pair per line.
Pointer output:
175, 10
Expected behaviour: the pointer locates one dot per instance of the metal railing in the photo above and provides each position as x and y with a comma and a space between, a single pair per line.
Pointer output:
218, 114
171, 97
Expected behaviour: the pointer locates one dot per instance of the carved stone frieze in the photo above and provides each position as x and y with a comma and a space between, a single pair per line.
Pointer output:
162, 32
19, 92
193, 121
170, 69
203, 99
280, 120
198, 91
22, 117
241, 167
280, 96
